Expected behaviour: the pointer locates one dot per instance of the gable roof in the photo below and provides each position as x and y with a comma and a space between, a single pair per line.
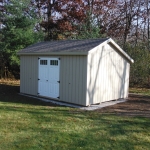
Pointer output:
63, 46
69, 47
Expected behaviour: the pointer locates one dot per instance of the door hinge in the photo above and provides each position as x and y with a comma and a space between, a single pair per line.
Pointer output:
38, 93
58, 97
59, 58
38, 57
58, 81
38, 79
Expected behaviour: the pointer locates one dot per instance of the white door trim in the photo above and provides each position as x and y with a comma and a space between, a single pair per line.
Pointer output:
48, 77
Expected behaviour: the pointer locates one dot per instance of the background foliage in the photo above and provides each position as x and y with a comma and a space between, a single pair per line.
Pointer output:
140, 70
28, 21
17, 32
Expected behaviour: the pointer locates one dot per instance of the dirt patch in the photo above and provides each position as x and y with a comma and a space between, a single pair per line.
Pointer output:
136, 105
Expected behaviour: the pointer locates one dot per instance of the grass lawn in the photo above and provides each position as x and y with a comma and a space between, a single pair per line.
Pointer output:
142, 91
28, 124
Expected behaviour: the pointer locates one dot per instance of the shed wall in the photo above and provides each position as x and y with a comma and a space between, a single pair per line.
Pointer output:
73, 79
73, 70
29, 74
108, 75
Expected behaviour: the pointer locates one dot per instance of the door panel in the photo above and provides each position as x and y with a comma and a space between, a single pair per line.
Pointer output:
49, 77
43, 77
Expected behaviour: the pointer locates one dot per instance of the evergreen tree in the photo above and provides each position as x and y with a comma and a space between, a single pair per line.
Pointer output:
18, 19
89, 29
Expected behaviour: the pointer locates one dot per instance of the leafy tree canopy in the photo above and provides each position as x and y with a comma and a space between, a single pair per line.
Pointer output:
18, 19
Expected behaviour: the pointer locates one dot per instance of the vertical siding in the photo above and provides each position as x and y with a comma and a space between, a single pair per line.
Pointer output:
73, 79
108, 75
103, 76
29, 75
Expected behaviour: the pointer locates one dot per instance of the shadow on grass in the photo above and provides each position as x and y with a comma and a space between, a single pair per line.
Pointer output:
94, 131
10, 93
66, 129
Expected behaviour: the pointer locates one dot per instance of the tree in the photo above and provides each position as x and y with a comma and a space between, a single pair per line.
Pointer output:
140, 70
88, 29
18, 19
59, 17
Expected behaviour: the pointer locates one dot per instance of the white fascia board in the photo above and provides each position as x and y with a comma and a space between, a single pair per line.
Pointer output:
120, 49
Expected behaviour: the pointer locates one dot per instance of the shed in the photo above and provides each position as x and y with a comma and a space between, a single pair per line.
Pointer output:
82, 72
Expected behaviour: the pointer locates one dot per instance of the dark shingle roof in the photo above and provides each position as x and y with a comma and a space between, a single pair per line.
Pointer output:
64, 46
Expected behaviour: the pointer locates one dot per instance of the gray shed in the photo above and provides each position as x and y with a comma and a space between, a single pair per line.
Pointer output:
82, 72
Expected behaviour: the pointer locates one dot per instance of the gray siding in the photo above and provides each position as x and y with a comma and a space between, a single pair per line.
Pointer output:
73, 79
108, 75
29, 74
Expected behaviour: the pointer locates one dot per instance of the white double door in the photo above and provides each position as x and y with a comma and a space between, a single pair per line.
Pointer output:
48, 81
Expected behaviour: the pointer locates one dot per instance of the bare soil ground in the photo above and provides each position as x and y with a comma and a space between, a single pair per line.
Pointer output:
136, 105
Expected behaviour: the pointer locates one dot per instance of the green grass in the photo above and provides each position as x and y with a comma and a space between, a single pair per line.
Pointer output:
28, 124
142, 91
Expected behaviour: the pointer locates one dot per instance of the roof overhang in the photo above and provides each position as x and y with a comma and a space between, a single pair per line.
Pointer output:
53, 53
81, 53
120, 50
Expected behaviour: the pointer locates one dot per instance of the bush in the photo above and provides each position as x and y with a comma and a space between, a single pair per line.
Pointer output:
140, 70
